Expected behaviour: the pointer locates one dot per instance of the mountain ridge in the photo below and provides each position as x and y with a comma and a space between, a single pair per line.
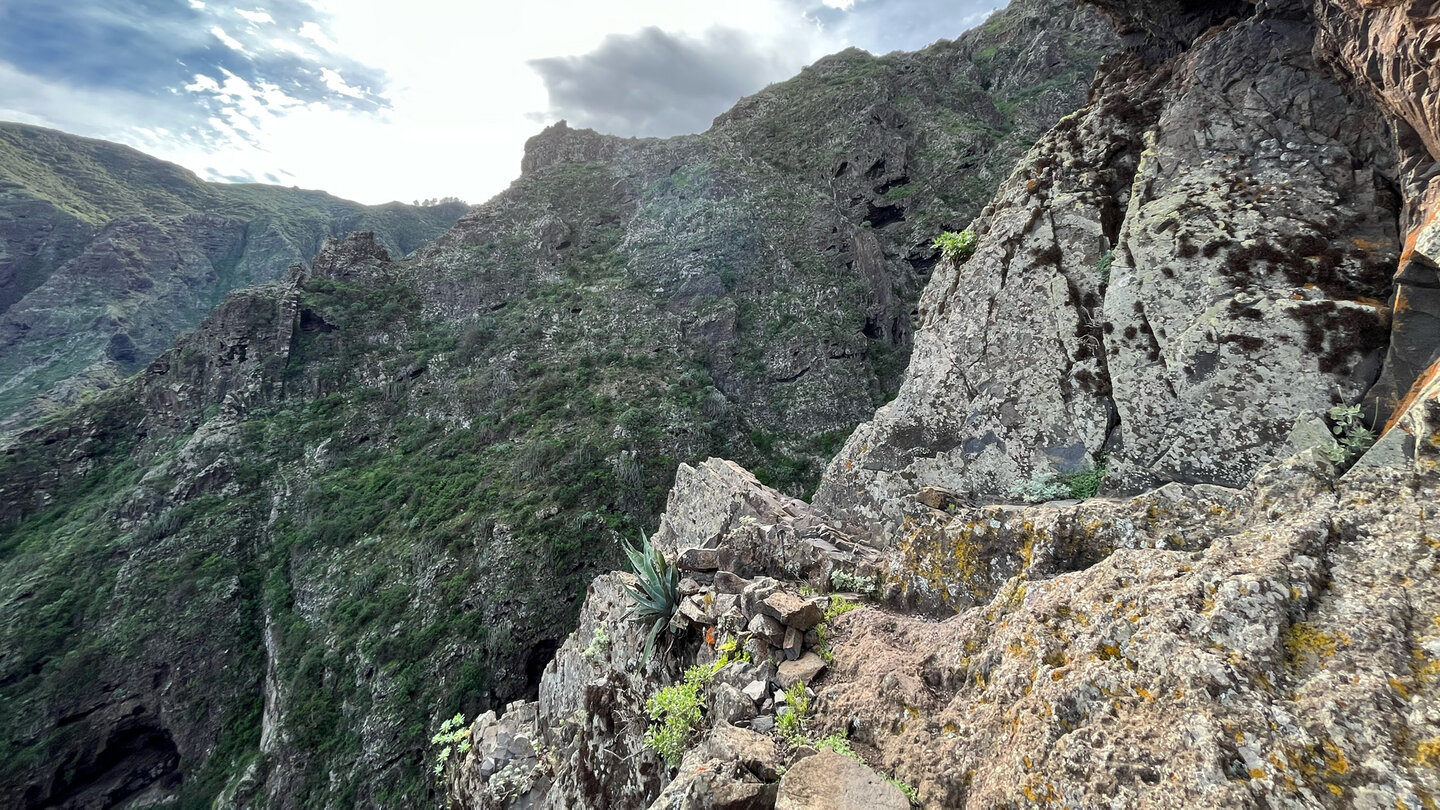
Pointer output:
107, 255
378, 487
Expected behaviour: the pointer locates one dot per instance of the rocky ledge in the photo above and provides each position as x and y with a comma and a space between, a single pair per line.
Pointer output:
1274, 645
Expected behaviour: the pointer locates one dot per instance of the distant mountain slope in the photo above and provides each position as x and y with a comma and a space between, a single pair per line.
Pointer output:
107, 255
372, 495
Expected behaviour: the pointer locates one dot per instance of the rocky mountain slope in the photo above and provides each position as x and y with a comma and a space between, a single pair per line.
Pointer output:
1201, 292
372, 494
108, 255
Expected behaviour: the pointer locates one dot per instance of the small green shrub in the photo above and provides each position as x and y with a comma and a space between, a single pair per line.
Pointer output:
599, 643
905, 787
675, 714
838, 606
1352, 437
454, 735
956, 246
1102, 266
1086, 483
658, 596
1042, 487
839, 745
792, 723
730, 651
846, 581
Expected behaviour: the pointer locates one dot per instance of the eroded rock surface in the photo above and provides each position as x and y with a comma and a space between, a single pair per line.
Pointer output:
1159, 284
1241, 622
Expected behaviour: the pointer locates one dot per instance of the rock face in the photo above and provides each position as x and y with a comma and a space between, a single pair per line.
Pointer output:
1183, 277
107, 256
831, 781
1269, 646
1172, 243
370, 493
1386, 50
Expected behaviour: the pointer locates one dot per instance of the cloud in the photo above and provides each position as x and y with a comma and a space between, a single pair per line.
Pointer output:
377, 100
881, 26
257, 17
152, 47
657, 83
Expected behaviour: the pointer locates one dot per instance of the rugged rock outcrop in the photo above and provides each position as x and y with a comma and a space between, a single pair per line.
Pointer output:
1185, 307
1182, 279
1388, 49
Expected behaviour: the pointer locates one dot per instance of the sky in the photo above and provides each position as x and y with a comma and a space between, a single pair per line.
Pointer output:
380, 100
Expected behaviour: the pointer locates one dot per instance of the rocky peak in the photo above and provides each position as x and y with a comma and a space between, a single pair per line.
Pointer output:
558, 143
358, 256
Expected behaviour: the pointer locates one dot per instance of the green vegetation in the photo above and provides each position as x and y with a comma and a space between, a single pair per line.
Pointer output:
837, 607
675, 713
1041, 486
792, 723
956, 246
847, 581
599, 643
1352, 436
658, 596
1086, 483
454, 735
730, 652
1102, 266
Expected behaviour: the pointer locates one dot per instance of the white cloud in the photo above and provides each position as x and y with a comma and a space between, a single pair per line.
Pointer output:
230, 42
313, 32
257, 17
336, 83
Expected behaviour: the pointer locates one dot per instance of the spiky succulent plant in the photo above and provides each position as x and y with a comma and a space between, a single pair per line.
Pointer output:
658, 595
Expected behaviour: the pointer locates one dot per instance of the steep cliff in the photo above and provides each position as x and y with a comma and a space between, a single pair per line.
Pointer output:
108, 255
372, 494
1178, 298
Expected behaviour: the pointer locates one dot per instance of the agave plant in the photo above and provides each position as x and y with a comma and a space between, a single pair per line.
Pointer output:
658, 596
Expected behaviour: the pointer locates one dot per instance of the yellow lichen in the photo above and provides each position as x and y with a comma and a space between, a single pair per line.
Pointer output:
1304, 639
1334, 757
1427, 753
1425, 669
1400, 689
